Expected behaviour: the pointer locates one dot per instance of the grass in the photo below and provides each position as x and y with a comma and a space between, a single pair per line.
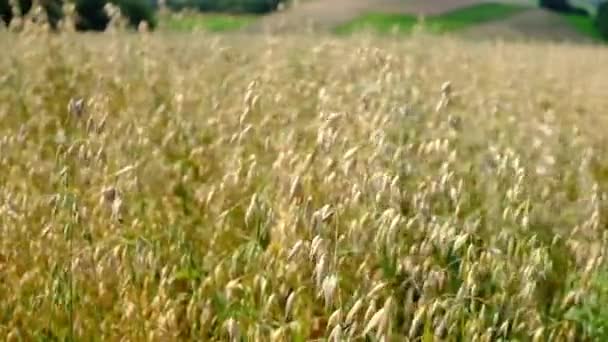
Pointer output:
448, 22
477, 14
379, 22
584, 24
163, 188
187, 22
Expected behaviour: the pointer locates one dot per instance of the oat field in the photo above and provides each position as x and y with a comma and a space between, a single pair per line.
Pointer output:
198, 187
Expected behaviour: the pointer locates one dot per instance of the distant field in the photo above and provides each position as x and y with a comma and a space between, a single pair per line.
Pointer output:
522, 17
447, 22
192, 21
488, 17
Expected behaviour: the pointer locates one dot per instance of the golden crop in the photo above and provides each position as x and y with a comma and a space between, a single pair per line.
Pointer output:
170, 187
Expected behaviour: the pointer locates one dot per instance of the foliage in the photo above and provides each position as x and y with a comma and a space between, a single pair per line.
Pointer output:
231, 6
556, 5
584, 24
52, 9
137, 11
565, 6
591, 314
159, 187
91, 15
251, 6
477, 14
5, 11
602, 20
179, 5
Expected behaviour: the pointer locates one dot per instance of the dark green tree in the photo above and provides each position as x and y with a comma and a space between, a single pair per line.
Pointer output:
53, 9
91, 15
137, 11
602, 20
556, 5
6, 14
229, 6
6, 10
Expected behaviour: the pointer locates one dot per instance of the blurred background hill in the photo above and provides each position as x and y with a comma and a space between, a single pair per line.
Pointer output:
572, 20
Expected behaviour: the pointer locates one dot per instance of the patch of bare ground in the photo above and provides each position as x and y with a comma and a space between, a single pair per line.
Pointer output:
321, 15
324, 14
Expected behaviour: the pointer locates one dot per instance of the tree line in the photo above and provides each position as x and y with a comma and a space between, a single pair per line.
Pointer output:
565, 6
92, 14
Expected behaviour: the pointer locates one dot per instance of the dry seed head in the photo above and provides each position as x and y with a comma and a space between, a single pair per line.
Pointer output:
336, 334
233, 329
354, 310
270, 302
295, 190
130, 311
371, 308
326, 213
251, 209
352, 330
446, 88
374, 291
278, 335
350, 153
329, 286
76, 107
376, 321
317, 248
291, 299
143, 27
232, 287
504, 327
441, 330
539, 335
573, 298
417, 321
320, 270
335, 318
295, 249
206, 315
116, 209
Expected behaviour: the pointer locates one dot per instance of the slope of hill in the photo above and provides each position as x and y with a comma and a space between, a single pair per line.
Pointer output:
536, 24
323, 15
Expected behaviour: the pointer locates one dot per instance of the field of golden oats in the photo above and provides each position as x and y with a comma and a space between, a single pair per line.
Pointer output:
167, 187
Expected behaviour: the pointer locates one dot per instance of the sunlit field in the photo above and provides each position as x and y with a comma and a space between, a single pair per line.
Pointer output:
175, 186
191, 22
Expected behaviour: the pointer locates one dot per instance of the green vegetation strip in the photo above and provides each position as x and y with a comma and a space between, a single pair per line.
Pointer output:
584, 24
451, 21
206, 22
